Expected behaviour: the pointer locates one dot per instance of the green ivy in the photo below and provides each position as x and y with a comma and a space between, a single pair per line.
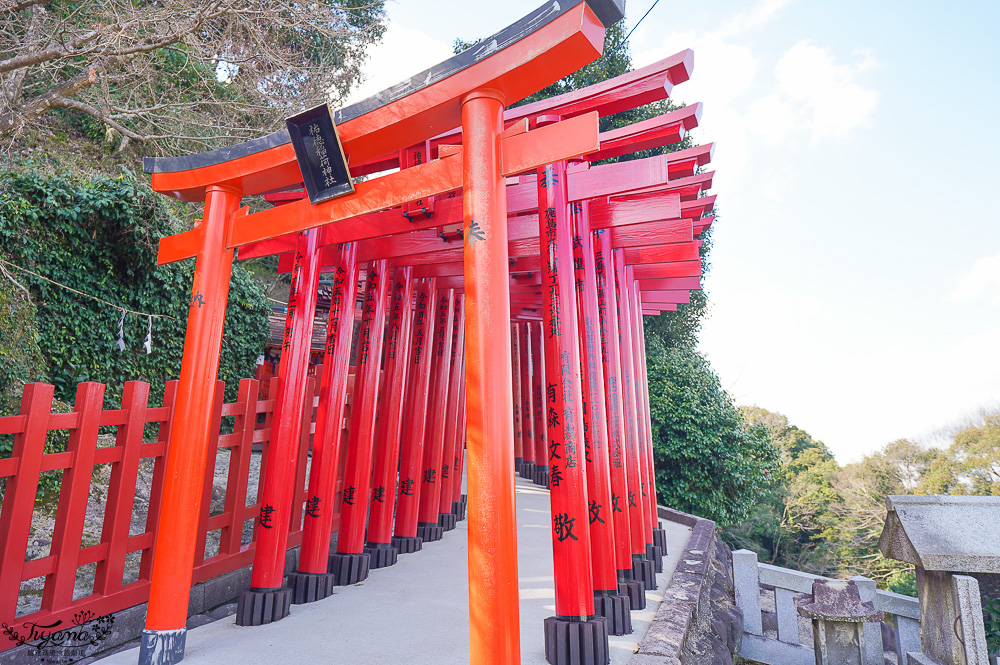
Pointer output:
99, 235
991, 617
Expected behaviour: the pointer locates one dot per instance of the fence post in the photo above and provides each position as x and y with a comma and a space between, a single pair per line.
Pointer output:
873, 651
786, 615
907, 637
19, 500
746, 582
239, 467
159, 472
211, 454
72, 508
121, 489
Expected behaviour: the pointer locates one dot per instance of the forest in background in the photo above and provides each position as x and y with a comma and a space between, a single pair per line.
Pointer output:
825, 518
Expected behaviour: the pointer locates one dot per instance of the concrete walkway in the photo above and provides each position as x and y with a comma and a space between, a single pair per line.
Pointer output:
415, 611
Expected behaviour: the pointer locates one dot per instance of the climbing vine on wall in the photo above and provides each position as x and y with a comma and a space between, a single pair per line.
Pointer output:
99, 236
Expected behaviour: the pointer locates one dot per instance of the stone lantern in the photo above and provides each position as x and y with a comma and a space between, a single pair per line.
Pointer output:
838, 619
948, 539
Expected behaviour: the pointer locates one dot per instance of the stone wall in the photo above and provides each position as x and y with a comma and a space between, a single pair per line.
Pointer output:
697, 622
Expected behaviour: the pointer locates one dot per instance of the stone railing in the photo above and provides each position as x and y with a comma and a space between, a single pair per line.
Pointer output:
773, 632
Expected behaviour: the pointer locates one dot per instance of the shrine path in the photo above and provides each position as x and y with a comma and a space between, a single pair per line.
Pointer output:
417, 610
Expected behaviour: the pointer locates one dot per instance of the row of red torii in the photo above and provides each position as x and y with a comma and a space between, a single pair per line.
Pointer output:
504, 283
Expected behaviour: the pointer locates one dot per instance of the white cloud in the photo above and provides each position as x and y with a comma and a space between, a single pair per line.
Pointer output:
814, 94
396, 58
982, 278
755, 17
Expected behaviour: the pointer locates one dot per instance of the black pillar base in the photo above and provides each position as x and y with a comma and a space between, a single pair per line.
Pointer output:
655, 554
162, 647
464, 500
349, 568
309, 587
616, 609
644, 571
636, 593
429, 531
381, 555
660, 539
528, 470
575, 642
518, 461
407, 544
256, 607
447, 521
541, 476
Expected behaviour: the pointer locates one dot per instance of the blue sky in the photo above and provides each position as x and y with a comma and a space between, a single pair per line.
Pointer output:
855, 280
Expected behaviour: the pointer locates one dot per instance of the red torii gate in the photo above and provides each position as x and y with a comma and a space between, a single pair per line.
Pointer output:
488, 153
468, 90
423, 247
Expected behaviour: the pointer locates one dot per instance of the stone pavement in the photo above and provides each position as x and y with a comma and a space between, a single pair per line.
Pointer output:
415, 611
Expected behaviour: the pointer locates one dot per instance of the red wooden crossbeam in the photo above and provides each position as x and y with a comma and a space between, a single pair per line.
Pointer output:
520, 152
636, 211
686, 162
636, 88
573, 39
425, 247
643, 175
664, 129
449, 212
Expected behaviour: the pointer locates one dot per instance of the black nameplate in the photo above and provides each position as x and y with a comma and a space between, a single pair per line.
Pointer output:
319, 154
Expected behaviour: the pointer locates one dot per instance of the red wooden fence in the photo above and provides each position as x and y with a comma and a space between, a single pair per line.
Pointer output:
66, 555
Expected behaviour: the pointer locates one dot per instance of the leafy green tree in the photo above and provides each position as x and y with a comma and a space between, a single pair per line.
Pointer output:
708, 460
787, 526
943, 475
978, 451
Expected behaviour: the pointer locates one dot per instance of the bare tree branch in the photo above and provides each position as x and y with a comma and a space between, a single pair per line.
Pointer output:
26, 4
179, 73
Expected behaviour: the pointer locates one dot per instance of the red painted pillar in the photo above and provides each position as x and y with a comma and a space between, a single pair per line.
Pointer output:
312, 581
643, 566
609, 603
628, 584
458, 500
395, 373
430, 471
640, 420
538, 405
267, 600
527, 469
411, 454
653, 551
575, 622
451, 472
494, 625
659, 535
515, 361
164, 636
350, 564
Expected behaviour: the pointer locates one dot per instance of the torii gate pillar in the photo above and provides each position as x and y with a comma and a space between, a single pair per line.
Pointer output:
185, 474
494, 630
